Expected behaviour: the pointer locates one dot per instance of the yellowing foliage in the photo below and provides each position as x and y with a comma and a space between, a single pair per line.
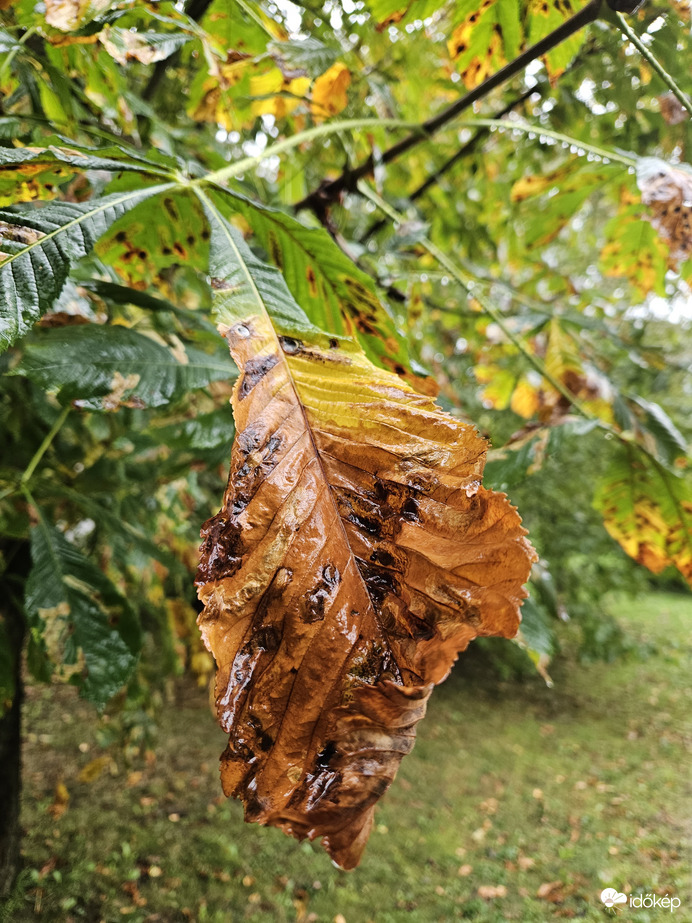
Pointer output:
277, 95
329, 96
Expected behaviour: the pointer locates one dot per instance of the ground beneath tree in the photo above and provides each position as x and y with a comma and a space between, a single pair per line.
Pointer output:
519, 802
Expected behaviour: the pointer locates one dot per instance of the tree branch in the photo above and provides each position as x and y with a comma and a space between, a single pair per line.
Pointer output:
463, 151
330, 191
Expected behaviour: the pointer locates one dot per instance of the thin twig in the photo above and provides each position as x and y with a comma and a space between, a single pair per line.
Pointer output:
45, 445
682, 97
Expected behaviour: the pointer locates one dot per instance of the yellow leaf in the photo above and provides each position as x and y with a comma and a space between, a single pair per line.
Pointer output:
94, 769
525, 400
649, 512
329, 95
61, 799
277, 95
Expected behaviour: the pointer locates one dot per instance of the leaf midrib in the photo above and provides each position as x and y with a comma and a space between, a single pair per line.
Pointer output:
260, 301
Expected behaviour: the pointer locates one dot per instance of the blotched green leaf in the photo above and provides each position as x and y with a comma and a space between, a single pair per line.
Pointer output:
39, 248
648, 510
335, 294
89, 633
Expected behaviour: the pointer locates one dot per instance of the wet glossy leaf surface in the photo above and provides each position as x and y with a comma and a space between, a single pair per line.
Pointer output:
354, 556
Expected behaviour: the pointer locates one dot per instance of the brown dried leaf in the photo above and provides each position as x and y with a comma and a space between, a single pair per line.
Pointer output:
667, 191
354, 556
672, 109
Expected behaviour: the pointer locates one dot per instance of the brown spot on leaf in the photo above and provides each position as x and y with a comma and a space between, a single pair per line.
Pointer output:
255, 370
312, 282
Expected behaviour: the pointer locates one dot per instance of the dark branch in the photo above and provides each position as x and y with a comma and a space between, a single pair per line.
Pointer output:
331, 190
463, 151
195, 10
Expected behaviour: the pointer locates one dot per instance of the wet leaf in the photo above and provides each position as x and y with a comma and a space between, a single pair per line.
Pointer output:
108, 367
355, 543
146, 243
39, 249
335, 294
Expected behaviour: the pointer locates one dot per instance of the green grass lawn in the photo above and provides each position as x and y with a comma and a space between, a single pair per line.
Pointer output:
519, 802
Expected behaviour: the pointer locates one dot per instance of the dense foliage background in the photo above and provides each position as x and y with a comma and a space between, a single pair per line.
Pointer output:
533, 257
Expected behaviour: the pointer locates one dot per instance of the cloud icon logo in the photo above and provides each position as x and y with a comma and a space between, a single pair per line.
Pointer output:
610, 897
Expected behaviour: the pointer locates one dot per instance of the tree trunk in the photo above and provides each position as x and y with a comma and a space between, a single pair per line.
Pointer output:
12, 632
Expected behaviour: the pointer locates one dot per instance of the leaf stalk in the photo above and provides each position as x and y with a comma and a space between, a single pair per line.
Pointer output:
646, 53
43, 448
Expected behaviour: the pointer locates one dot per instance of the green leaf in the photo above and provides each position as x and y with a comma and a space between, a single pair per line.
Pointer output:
27, 174
146, 241
112, 158
543, 16
104, 368
39, 248
336, 295
634, 250
87, 632
669, 443
537, 636
307, 54
394, 11
514, 462
251, 279
206, 432
231, 26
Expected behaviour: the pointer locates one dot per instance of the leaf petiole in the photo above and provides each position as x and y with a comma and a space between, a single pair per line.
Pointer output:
539, 130
43, 448
632, 36
320, 131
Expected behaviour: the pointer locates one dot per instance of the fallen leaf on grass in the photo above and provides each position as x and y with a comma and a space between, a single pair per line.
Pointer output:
61, 798
488, 892
551, 891
94, 769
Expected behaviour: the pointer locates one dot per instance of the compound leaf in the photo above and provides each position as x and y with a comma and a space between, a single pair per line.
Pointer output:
107, 367
336, 294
